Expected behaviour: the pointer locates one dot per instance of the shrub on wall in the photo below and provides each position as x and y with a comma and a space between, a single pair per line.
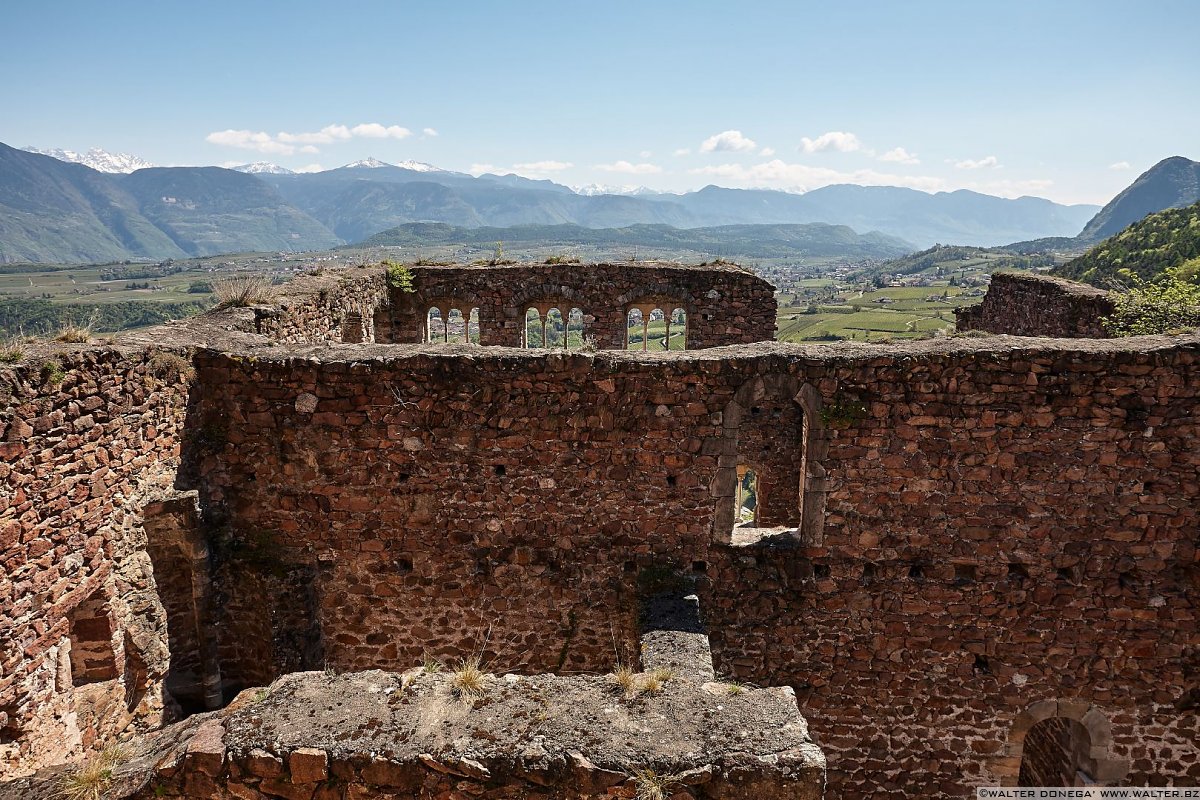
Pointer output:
1169, 303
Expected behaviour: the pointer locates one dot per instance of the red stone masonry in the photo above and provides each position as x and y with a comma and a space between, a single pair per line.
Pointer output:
1022, 304
960, 538
725, 304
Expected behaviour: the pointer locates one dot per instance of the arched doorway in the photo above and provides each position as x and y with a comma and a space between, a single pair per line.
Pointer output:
1060, 743
1057, 752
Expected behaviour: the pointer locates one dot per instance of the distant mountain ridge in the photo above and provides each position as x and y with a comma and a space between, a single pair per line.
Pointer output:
1164, 240
56, 211
727, 241
97, 159
259, 206
1171, 183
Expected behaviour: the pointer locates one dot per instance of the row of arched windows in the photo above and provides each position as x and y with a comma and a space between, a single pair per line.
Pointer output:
648, 327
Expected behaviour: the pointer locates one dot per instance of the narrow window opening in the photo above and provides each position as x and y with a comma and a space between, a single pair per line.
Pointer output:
916, 571
535, 328
500, 469
1017, 572
982, 666
435, 326
635, 334
672, 480
473, 333
630, 566
699, 566
456, 327
92, 656
1127, 580
575, 332
964, 574
746, 500
556, 329
403, 565
677, 329
870, 572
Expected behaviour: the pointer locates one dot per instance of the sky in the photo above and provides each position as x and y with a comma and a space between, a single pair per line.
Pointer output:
1054, 98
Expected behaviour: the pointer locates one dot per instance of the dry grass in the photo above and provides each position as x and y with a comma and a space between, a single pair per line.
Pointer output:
11, 351
650, 785
467, 679
90, 780
170, 367
239, 291
431, 665
656, 680
624, 678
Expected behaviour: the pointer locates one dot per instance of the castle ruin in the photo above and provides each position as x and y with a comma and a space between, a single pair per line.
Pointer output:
970, 561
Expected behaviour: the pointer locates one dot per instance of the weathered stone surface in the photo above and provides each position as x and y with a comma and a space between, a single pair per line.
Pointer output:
1021, 304
951, 533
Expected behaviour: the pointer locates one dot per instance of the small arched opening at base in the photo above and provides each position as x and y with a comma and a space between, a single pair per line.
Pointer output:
1060, 743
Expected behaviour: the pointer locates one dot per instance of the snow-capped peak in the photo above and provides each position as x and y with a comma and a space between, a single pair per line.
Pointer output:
593, 189
97, 159
263, 168
375, 163
418, 166
367, 163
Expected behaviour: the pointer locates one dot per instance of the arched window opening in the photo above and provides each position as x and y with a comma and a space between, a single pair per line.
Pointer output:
556, 329
1057, 752
435, 326
575, 332
456, 326
473, 326
534, 328
745, 507
635, 329
92, 656
677, 329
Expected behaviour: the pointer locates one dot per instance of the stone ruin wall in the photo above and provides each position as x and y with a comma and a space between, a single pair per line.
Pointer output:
1021, 304
1001, 527
86, 440
724, 304
920, 616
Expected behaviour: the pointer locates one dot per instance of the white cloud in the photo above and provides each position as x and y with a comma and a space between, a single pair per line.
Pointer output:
778, 174
311, 168
250, 140
542, 166
767, 151
373, 130
900, 156
727, 141
990, 161
683, 151
630, 169
1120, 165
645, 154
286, 143
841, 141
431, 132
479, 169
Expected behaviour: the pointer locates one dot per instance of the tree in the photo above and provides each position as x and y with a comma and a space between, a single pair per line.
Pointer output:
1170, 302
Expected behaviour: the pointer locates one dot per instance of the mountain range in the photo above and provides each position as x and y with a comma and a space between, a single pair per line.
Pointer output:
56, 211
1171, 183
814, 240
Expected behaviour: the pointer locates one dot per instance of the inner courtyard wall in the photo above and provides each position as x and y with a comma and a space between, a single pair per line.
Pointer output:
1001, 526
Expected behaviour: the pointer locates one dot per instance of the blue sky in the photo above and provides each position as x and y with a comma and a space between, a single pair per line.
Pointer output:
1066, 100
